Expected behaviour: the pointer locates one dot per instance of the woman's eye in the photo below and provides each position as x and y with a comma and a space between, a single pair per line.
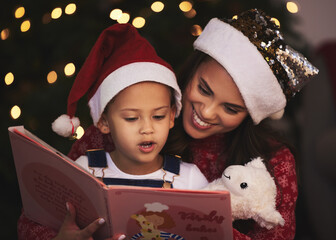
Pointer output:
231, 110
159, 117
203, 91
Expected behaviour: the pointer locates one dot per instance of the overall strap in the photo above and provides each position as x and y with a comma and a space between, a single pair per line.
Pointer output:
97, 158
171, 164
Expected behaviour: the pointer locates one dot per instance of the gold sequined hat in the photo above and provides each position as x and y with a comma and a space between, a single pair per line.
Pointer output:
267, 71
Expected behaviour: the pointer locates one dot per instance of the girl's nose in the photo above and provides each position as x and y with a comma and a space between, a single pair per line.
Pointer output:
146, 127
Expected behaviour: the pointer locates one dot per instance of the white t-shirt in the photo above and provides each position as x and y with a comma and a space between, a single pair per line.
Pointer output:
190, 176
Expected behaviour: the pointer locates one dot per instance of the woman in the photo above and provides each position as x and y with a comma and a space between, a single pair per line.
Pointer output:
241, 74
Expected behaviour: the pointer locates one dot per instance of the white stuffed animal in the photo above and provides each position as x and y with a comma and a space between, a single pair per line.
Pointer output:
252, 191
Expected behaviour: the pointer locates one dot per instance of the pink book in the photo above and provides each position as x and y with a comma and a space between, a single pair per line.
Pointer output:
47, 179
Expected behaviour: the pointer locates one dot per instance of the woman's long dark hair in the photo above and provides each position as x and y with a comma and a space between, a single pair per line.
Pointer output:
245, 142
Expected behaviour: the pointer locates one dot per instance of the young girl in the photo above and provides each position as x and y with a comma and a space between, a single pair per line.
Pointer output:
133, 96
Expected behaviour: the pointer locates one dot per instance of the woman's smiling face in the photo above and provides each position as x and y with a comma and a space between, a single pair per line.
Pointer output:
212, 102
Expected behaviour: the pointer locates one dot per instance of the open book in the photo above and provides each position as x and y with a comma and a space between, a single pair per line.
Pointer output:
47, 179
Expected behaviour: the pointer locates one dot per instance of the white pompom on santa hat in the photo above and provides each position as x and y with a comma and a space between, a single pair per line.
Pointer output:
119, 59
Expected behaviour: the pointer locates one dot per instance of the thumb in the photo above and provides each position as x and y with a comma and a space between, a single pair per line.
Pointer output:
70, 217
118, 236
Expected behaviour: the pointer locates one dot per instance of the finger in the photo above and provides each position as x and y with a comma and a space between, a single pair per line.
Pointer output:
70, 215
92, 227
117, 237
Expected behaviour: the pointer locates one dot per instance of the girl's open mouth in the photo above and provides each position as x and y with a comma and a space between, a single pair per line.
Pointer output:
146, 147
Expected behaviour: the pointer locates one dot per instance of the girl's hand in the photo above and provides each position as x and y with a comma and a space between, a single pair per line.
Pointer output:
70, 231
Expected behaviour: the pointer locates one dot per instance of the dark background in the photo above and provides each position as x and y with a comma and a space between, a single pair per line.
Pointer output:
31, 55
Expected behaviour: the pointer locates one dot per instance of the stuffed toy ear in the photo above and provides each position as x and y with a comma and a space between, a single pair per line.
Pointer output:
269, 218
257, 163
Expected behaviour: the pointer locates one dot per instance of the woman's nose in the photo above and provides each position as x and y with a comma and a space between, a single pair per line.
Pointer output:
208, 111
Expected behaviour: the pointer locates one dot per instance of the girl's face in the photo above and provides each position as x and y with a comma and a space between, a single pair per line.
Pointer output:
139, 120
212, 103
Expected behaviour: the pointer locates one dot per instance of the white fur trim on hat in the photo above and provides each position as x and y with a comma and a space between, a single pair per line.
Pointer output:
255, 80
128, 75
65, 126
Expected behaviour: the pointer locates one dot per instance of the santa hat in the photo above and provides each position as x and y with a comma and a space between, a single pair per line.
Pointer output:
119, 59
265, 69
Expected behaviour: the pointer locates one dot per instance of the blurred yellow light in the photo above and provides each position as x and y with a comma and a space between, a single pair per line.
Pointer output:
235, 17
157, 6
69, 69
196, 30
80, 132
25, 26
115, 14
292, 7
15, 112
4, 34
19, 12
125, 17
9, 78
46, 18
192, 13
139, 22
185, 6
56, 13
276, 21
52, 77
70, 8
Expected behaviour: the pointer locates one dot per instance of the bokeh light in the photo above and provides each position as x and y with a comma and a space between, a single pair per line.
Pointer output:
46, 18
115, 14
56, 13
139, 22
9, 78
52, 77
69, 69
15, 112
125, 17
292, 7
276, 21
79, 132
196, 30
185, 6
5, 34
25, 26
157, 6
190, 14
19, 12
70, 8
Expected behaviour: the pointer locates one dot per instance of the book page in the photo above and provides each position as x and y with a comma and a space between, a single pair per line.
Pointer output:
47, 181
151, 212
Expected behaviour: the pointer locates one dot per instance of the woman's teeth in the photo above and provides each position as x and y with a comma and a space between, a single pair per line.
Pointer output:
199, 121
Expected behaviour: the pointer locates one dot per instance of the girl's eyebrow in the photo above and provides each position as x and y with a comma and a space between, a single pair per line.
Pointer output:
136, 109
206, 85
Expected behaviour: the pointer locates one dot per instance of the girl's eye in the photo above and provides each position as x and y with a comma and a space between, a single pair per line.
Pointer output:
159, 117
203, 91
131, 119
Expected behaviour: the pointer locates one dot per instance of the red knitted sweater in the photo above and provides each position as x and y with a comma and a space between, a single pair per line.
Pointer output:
205, 153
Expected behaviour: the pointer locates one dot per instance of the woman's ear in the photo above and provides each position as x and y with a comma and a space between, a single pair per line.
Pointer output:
102, 125
172, 116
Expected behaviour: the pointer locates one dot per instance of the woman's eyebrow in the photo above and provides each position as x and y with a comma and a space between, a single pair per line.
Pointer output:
206, 85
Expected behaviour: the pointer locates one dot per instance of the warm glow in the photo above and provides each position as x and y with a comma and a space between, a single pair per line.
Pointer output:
292, 7
235, 17
139, 22
15, 112
79, 132
4, 34
46, 18
56, 13
70, 9
19, 12
52, 77
115, 14
9, 78
157, 6
125, 17
69, 69
196, 30
276, 21
25, 26
190, 14
185, 6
